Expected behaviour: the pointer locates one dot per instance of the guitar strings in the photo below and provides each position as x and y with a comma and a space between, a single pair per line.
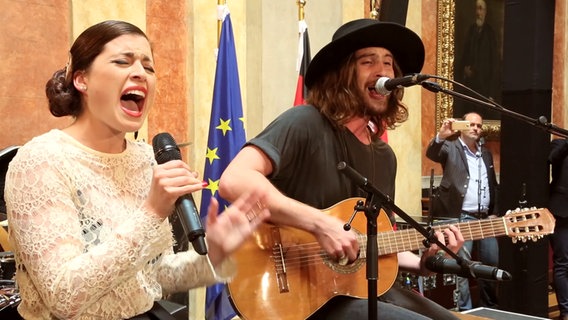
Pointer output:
306, 254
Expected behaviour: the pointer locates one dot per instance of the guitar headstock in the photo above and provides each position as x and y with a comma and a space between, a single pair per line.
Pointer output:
529, 224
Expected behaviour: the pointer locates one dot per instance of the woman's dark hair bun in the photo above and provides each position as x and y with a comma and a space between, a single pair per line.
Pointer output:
60, 95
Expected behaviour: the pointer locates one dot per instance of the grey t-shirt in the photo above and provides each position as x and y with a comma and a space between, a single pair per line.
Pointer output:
305, 149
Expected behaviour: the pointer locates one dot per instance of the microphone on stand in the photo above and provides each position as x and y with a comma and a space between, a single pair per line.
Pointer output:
431, 196
166, 149
479, 160
385, 85
481, 142
472, 269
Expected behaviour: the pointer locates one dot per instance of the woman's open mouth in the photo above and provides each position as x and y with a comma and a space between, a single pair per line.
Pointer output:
132, 102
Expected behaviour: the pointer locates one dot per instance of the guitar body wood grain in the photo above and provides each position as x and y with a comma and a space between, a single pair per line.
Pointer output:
295, 281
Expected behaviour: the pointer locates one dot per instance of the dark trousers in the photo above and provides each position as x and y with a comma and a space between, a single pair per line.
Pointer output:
487, 251
395, 304
164, 310
559, 243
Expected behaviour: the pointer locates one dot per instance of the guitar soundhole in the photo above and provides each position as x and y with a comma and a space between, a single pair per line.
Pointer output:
344, 269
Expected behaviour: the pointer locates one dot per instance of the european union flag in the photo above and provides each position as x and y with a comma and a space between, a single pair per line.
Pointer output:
226, 137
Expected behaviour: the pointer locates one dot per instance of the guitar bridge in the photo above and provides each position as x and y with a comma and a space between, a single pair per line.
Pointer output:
279, 262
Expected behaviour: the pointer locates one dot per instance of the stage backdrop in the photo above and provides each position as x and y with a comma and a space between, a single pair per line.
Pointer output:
527, 89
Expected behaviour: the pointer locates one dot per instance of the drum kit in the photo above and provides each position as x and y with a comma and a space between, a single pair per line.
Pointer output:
442, 288
9, 293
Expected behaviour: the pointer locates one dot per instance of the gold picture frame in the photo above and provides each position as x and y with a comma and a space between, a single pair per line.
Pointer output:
445, 49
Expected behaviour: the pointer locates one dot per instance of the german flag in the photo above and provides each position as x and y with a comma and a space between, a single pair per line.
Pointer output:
304, 58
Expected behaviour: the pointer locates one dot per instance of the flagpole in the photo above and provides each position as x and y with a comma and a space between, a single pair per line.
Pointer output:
301, 4
220, 22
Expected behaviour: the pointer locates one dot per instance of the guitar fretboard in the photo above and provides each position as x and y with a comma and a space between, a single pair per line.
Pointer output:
411, 239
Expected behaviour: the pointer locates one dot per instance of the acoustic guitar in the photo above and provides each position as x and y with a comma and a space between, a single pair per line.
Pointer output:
284, 273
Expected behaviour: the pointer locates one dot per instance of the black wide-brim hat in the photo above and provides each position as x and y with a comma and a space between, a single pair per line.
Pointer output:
405, 45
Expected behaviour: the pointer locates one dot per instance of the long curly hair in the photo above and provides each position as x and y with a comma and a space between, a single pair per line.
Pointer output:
338, 98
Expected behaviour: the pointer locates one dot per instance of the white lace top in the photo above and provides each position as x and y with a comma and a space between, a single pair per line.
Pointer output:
84, 246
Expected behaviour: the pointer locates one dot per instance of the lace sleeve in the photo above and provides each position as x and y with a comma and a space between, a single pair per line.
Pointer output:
186, 270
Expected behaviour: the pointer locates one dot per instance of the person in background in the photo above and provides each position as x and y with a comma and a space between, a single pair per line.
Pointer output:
294, 159
467, 192
558, 205
88, 208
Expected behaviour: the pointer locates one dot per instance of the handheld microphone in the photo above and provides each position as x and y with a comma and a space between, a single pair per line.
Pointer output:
166, 149
385, 85
476, 270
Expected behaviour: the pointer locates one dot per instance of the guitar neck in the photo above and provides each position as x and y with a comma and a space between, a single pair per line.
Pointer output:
410, 239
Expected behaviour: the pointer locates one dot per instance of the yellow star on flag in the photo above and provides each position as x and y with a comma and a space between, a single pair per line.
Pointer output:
213, 186
212, 155
224, 126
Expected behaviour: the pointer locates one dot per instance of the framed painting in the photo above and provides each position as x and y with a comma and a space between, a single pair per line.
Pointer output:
470, 51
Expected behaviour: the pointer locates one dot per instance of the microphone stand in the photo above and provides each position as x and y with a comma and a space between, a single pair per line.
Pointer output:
374, 195
431, 200
479, 160
541, 122
371, 212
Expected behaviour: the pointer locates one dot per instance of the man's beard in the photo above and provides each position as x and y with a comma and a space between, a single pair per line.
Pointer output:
479, 22
375, 111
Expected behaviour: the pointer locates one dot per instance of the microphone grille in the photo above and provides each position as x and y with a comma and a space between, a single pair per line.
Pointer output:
165, 148
435, 263
380, 86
